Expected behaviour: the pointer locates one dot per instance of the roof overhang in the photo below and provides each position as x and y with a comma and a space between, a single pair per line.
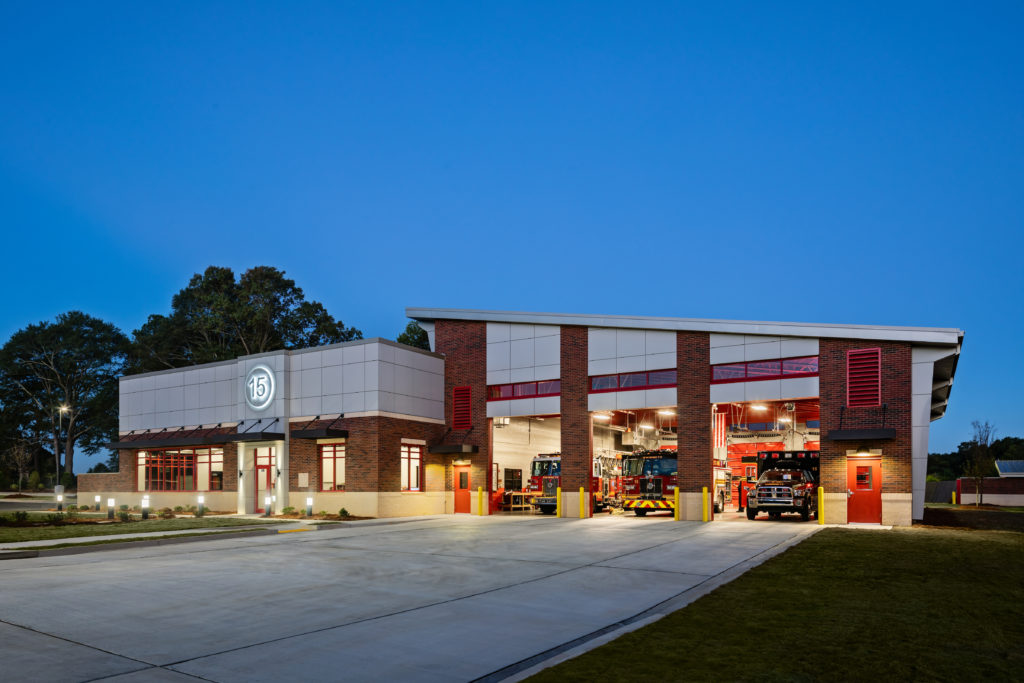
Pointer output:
919, 335
165, 441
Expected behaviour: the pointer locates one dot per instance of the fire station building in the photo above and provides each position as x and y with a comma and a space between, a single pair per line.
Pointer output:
382, 429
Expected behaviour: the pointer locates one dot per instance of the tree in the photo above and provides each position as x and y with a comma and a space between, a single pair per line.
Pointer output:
60, 379
982, 464
414, 336
216, 317
19, 457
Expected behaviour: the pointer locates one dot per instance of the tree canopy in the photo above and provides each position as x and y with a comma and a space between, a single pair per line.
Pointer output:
58, 383
414, 335
218, 317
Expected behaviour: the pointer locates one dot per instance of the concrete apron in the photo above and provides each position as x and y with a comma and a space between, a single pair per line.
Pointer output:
448, 599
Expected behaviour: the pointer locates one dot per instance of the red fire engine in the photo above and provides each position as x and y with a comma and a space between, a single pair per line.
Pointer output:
649, 481
546, 477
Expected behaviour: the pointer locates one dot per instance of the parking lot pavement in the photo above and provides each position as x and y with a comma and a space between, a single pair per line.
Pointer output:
439, 599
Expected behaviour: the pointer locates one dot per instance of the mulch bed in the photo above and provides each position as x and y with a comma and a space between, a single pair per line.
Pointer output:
971, 517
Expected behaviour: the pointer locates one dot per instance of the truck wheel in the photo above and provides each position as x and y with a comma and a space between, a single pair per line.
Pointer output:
640, 513
751, 513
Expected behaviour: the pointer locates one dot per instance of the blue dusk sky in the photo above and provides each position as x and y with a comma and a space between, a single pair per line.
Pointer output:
823, 162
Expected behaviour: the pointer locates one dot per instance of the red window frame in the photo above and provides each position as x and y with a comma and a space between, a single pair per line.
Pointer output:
411, 455
635, 380
462, 407
539, 389
743, 367
167, 469
333, 452
864, 378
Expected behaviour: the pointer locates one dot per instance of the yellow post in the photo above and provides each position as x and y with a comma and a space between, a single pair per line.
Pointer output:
704, 504
821, 505
480, 500
954, 497
582, 506
675, 514
558, 502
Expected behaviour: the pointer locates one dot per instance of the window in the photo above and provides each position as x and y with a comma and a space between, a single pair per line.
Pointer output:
513, 479
501, 392
412, 467
332, 467
180, 469
462, 414
627, 381
864, 377
756, 370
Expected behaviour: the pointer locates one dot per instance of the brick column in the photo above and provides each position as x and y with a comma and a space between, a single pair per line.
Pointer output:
897, 456
577, 433
693, 412
464, 345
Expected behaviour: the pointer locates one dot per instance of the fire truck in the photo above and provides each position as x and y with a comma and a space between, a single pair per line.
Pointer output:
546, 477
649, 482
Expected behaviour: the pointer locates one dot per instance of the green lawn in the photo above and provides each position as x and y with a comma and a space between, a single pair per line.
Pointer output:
934, 604
9, 534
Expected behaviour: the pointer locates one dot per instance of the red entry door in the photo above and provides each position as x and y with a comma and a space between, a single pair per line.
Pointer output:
461, 474
864, 484
263, 487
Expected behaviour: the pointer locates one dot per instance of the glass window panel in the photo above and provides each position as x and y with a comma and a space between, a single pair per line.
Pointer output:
732, 371
633, 380
662, 377
549, 387
764, 368
525, 389
204, 475
604, 383
339, 472
795, 366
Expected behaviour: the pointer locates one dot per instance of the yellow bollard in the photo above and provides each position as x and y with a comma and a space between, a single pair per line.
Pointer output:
558, 502
675, 514
480, 500
582, 506
821, 505
954, 497
704, 504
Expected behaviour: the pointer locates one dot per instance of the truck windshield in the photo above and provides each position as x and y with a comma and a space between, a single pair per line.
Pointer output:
783, 477
546, 468
649, 467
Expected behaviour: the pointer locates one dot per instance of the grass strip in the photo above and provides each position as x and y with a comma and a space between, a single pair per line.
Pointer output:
907, 604
14, 534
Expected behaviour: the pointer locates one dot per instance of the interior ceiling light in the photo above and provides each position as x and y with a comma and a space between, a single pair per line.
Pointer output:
666, 412
602, 416
785, 419
758, 407
644, 426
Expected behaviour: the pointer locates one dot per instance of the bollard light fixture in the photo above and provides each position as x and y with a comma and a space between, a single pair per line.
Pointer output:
110, 508
309, 506
145, 507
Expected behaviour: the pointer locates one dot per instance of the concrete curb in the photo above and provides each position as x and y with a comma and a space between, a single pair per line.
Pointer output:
130, 544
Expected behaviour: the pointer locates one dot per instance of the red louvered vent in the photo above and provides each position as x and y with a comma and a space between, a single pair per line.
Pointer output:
462, 416
864, 377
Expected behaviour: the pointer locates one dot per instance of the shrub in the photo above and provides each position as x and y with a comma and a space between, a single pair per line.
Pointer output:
179, 508
68, 481
124, 508
55, 519
20, 516
136, 508
83, 508
167, 513
192, 508
14, 487
33, 481
323, 513
124, 515
288, 511
72, 507
72, 512
343, 513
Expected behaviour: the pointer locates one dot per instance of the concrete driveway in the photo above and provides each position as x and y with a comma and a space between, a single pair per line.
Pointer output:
435, 599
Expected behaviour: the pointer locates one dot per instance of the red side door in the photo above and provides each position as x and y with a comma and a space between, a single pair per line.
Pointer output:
461, 476
864, 484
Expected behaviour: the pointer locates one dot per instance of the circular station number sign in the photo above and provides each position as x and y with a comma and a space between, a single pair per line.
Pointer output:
259, 387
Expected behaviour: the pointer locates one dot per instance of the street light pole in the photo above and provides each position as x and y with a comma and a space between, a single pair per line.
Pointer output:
60, 427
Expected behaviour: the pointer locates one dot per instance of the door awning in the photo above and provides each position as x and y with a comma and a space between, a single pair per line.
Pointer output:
453, 449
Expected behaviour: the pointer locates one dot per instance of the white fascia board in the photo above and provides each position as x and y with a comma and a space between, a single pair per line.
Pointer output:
922, 335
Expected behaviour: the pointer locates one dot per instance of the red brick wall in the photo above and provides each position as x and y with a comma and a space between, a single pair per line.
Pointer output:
372, 452
464, 346
122, 480
896, 394
1006, 485
693, 410
577, 431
